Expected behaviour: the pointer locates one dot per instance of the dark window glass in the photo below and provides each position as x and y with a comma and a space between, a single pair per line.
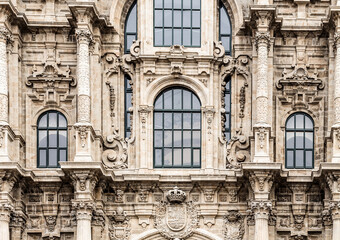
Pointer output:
128, 105
52, 139
131, 27
299, 141
225, 29
227, 107
177, 22
177, 129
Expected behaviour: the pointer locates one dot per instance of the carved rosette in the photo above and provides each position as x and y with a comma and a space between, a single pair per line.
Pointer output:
176, 219
234, 225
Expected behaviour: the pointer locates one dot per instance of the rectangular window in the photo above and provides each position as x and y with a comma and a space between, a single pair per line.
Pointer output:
177, 22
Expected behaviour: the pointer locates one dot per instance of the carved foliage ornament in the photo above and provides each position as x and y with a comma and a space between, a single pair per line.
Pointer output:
176, 219
234, 226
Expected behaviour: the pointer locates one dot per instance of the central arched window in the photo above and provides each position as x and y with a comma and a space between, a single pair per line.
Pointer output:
177, 129
52, 139
177, 22
299, 141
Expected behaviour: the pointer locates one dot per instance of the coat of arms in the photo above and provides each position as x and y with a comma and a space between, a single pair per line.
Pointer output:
176, 219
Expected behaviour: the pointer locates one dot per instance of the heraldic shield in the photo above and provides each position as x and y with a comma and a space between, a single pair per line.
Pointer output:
176, 219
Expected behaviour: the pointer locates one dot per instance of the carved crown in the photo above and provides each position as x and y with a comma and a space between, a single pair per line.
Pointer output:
176, 196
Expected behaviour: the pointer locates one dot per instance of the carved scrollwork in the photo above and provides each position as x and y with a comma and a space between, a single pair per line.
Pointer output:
237, 65
219, 50
115, 156
237, 150
135, 48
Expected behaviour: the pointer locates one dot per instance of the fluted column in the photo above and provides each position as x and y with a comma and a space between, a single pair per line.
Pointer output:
4, 37
261, 211
83, 211
5, 211
84, 38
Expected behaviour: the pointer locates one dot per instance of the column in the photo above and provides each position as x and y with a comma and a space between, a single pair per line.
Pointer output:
5, 211
4, 37
261, 211
336, 102
83, 211
335, 209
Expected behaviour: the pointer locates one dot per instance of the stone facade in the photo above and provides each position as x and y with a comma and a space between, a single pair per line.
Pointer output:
69, 56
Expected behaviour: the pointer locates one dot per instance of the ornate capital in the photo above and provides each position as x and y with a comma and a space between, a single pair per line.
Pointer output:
261, 209
5, 211
262, 38
261, 181
84, 181
83, 209
84, 36
5, 35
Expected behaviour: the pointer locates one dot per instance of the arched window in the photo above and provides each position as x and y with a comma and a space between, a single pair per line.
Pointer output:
177, 129
177, 22
225, 29
127, 105
52, 139
227, 108
299, 141
130, 33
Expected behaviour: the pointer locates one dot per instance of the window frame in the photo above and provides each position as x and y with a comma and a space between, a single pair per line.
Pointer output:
47, 148
127, 113
126, 34
182, 129
227, 129
304, 149
220, 35
172, 27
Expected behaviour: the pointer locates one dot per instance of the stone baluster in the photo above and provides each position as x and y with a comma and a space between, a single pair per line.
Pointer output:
261, 211
83, 210
5, 212
84, 38
4, 38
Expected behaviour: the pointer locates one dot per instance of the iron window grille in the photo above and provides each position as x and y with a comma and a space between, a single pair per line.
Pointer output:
131, 24
52, 140
225, 29
299, 146
177, 129
177, 22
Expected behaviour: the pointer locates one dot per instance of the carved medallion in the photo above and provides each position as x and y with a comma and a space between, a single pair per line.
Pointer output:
176, 218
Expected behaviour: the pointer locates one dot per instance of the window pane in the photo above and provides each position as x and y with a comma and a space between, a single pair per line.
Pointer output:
177, 157
177, 3
177, 99
158, 3
196, 120
158, 37
52, 119
186, 4
196, 19
177, 37
62, 121
159, 103
299, 140
42, 158
290, 159
62, 156
167, 157
186, 138
168, 100
186, 99
52, 138
167, 138
128, 100
177, 120
62, 139
167, 3
226, 43
158, 139
225, 22
196, 4
187, 157
128, 120
186, 37
167, 120
290, 123
227, 121
131, 22
196, 157
309, 159
158, 18
299, 158
158, 120
42, 138
309, 123
168, 18
195, 103
52, 158
43, 121
167, 37
290, 140
177, 18
299, 120
309, 140
196, 37
186, 120
158, 157
186, 18
196, 139
177, 138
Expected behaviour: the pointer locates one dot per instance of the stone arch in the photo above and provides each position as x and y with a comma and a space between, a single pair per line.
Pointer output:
199, 234
234, 9
289, 113
46, 109
118, 13
157, 86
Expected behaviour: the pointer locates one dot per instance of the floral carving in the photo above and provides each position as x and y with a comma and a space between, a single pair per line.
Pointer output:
51, 222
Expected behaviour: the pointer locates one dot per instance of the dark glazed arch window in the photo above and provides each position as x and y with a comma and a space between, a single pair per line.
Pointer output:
130, 27
177, 22
127, 105
52, 139
299, 141
227, 108
225, 29
177, 129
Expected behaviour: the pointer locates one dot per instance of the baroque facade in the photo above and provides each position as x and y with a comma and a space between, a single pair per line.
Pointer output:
170, 119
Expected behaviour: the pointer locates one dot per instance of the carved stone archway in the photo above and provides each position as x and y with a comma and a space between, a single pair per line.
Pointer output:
199, 234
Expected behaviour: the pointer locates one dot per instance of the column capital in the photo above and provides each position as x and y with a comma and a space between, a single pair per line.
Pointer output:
261, 181
84, 35
262, 38
5, 35
5, 211
83, 209
334, 207
261, 209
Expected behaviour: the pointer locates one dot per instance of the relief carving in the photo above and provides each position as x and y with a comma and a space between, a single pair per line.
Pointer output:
119, 228
234, 225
